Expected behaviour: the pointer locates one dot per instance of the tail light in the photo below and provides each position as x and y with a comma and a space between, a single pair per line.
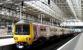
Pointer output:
29, 38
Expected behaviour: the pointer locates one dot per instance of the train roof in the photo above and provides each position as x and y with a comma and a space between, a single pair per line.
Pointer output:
40, 24
22, 22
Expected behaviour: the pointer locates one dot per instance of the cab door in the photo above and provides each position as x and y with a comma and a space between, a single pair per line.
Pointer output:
32, 35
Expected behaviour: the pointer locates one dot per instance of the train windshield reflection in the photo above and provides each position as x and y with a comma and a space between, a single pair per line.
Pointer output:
22, 29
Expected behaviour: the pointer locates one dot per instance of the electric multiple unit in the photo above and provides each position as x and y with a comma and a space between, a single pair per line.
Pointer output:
25, 33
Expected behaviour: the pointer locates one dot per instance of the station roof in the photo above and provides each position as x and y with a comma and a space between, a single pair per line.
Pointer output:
71, 9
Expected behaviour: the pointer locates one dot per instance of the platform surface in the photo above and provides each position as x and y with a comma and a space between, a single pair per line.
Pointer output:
6, 41
74, 44
79, 44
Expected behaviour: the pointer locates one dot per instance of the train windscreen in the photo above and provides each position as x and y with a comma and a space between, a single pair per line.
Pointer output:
22, 29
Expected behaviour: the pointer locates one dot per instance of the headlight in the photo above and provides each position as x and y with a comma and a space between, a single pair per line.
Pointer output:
29, 38
15, 38
20, 46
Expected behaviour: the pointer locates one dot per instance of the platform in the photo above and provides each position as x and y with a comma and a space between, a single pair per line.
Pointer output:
6, 41
74, 44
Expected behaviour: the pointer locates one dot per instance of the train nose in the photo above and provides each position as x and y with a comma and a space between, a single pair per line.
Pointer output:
20, 39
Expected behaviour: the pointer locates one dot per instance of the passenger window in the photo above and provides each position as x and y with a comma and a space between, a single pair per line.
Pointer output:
55, 30
62, 30
51, 29
43, 28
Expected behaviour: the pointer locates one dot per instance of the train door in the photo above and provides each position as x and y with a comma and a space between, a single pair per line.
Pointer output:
47, 32
42, 31
36, 32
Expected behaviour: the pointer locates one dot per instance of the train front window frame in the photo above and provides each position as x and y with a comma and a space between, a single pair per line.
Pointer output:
22, 29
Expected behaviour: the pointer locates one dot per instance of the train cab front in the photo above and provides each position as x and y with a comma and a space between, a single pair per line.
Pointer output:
22, 35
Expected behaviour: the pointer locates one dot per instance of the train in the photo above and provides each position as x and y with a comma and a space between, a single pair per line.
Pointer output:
25, 33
